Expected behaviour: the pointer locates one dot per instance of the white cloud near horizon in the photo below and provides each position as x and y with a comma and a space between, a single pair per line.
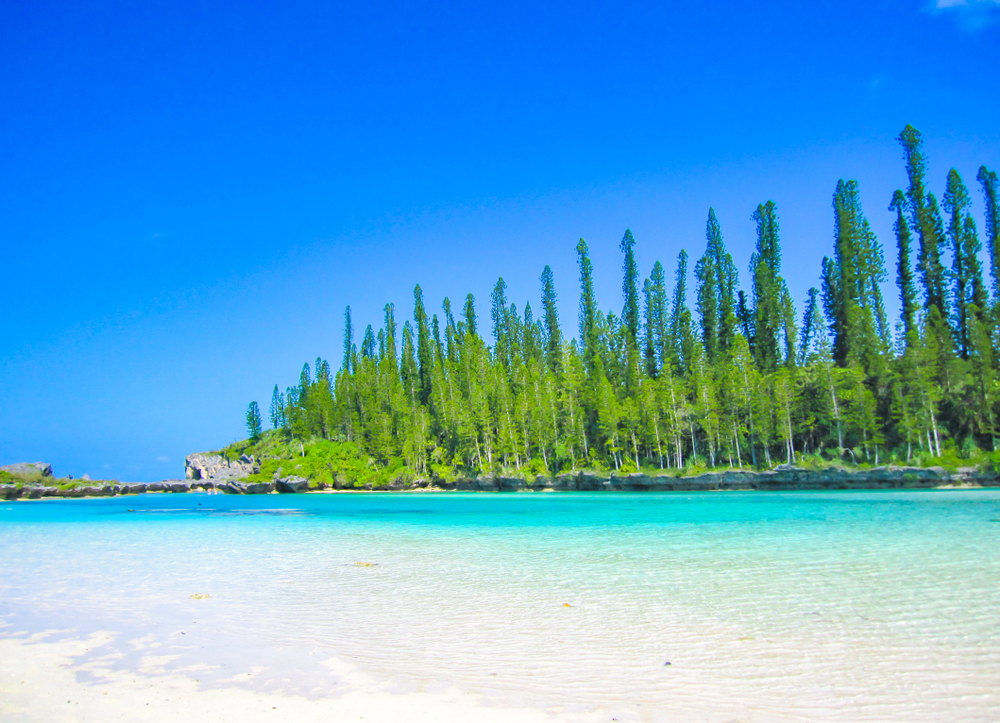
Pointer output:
162, 459
970, 15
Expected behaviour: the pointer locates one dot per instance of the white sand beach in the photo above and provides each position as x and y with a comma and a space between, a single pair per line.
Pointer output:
39, 681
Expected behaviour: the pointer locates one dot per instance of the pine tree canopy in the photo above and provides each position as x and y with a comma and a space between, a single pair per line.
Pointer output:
749, 381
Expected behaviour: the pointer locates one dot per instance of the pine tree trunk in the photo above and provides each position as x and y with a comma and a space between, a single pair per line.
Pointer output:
736, 437
836, 409
937, 439
659, 451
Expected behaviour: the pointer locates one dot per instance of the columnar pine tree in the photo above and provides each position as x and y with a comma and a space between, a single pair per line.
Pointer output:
991, 194
277, 410
424, 356
812, 329
648, 328
630, 311
553, 335
588, 306
500, 317
679, 332
852, 294
348, 339
408, 371
390, 333
469, 312
658, 318
768, 288
630, 289
706, 294
966, 274
925, 219
253, 421
716, 292
904, 271
450, 331
368, 343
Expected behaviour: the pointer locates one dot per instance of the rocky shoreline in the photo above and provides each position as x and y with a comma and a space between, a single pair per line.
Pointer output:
209, 472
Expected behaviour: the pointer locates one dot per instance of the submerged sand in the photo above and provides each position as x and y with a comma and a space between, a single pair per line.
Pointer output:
842, 607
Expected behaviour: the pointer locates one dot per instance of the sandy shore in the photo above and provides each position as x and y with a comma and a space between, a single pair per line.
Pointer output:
40, 680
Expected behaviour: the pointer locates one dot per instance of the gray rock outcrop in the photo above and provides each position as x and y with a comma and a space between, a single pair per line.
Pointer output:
292, 484
205, 466
247, 488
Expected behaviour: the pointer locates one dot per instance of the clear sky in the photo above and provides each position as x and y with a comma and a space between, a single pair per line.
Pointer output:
191, 193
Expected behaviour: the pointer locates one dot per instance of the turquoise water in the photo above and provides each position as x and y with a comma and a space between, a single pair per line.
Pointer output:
849, 606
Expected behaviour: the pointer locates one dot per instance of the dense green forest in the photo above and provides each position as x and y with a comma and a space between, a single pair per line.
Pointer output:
742, 380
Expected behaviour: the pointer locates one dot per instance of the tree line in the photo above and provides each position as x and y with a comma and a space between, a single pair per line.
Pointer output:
743, 380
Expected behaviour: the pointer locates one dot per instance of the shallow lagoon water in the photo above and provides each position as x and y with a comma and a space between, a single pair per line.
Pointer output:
847, 606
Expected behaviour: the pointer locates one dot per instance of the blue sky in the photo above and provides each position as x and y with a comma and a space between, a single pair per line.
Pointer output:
191, 193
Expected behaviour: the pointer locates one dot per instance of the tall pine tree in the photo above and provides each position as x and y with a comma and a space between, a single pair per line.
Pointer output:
425, 358
991, 194
769, 292
588, 306
852, 295
348, 339
630, 310
904, 271
550, 319
966, 274
390, 333
924, 219
680, 335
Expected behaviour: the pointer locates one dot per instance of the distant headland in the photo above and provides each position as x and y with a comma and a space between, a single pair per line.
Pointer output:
745, 393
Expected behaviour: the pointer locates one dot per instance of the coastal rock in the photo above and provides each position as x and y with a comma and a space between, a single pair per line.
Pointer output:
497, 483
563, 482
590, 482
175, 485
28, 469
509, 484
9, 492
94, 491
292, 484
203, 466
242, 488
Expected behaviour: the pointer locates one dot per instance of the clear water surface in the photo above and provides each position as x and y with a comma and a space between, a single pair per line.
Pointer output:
847, 606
